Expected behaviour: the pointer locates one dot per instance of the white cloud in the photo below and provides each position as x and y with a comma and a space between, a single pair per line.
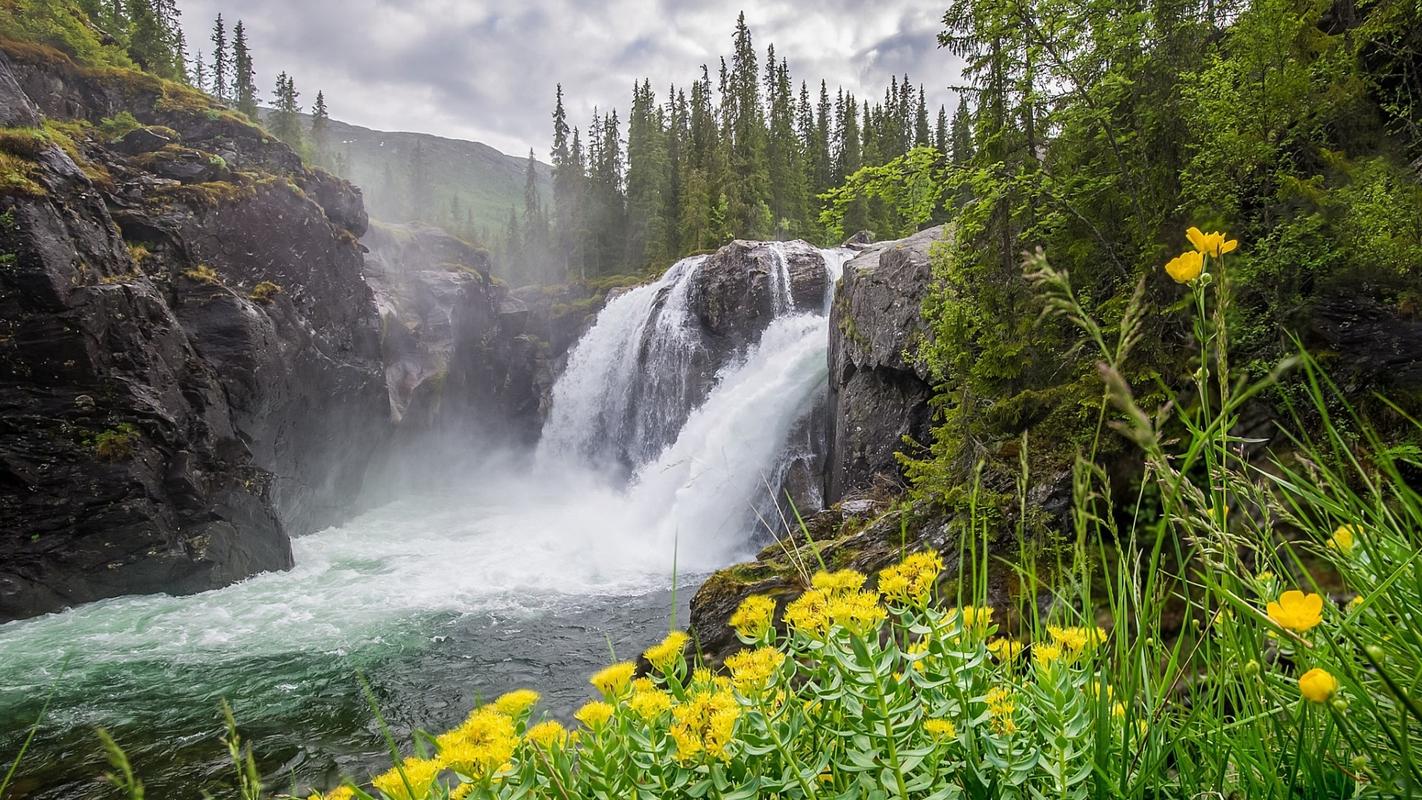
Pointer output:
486, 70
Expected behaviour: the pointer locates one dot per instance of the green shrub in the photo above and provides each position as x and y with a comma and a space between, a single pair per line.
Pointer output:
116, 444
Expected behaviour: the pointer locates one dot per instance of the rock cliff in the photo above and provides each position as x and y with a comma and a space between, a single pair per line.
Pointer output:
186, 341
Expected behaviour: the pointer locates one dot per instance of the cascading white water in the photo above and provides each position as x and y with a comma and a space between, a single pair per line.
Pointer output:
607, 409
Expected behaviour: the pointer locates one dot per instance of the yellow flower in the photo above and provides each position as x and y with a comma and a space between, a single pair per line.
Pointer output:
1076, 639
461, 791
649, 703
1210, 244
1004, 649
1046, 654
420, 774
858, 612
1355, 603
845, 580
594, 714
613, 680
809, 613
1001, 707
481, 744
1317, 685
752, 669
516, 702
704, 725
1118, 710
338, 793
1343, 539
911, 581
663, 656
753, 617
1185, 267
547, 734
1296, 611
976, 618
940, 729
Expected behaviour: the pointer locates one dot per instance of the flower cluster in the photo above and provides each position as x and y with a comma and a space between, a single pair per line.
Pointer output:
703, 726
911, 582
1187, 266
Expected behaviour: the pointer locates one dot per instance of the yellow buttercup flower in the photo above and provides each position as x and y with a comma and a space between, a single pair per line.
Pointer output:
613, 680
751, 670
547, 734
1210, 244
940, 729
1317, 685
1343, 539
1296, 611
664, 656
516, 702
912, 580
1004, 649
419, 776
754, 616
845, 580
1185, 267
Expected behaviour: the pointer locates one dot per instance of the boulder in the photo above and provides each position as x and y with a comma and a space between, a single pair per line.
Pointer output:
877, 394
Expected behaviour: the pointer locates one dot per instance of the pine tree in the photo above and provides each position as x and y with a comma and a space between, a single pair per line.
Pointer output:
221, 67
535, 225
567, 184
151, 43
244, 87
961, 146
199, 73
320, 130
921, 135
940, 131
646, 180
286, 115
747, 187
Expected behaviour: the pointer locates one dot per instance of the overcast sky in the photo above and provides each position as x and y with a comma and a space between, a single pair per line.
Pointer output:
484, 70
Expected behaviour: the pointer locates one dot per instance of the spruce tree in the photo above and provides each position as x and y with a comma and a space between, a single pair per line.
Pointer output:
221, 65
567, 182
199, 73
151, 43
921, 135
244, 86
747, 188
320, 130
940, 132
286, 114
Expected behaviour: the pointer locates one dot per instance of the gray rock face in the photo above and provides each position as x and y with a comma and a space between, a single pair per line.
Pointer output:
189, 356
739, 290
877, 397
456, 346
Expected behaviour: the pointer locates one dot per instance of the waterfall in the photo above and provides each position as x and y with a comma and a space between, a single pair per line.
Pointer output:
699, 465
609, 410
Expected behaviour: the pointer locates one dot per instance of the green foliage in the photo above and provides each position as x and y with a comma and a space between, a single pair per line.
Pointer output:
911, 185
265, 292
62, 25
119, 125
117, 443
1266, 118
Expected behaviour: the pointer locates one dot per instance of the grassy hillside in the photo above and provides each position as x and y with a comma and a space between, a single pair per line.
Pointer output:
484, 182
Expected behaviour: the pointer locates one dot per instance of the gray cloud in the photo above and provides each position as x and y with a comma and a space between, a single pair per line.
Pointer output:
486, 70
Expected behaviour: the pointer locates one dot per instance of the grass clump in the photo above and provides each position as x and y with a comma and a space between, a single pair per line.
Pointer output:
202, 273
265, 292
117, 443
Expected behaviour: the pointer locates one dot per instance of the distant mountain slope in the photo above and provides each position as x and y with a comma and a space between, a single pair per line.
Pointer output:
484, 182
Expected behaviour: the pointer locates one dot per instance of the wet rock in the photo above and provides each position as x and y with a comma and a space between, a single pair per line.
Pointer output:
877, 396
739, 289
146, 139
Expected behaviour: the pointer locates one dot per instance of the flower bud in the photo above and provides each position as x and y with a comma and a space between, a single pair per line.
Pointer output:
1340, 705
1252, 668
1374, 652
